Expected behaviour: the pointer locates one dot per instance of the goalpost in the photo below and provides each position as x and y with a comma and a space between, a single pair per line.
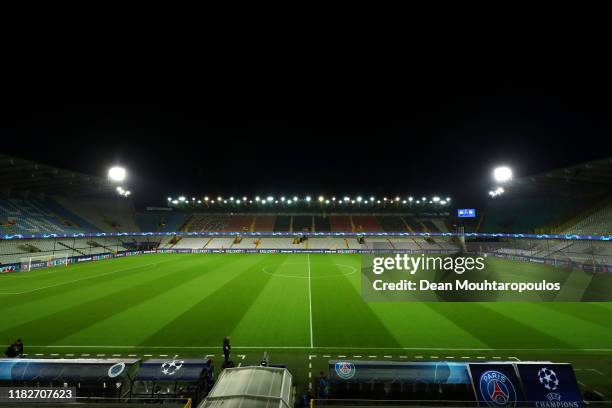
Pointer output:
44, 261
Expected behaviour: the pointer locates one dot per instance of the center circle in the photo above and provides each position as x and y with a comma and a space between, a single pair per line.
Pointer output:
280, 271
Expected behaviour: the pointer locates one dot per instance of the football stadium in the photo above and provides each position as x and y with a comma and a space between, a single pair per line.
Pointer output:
260, 299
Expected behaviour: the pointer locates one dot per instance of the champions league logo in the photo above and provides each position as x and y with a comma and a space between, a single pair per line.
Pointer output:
345, 369
171, 367
497, 390
548, 378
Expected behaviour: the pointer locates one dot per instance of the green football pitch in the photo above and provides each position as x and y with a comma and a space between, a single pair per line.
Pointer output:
302, 309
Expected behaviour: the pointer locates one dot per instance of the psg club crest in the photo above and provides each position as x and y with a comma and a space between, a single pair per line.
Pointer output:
345, 369
497, 390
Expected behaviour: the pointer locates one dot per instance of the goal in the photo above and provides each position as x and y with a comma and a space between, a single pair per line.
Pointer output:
44, 261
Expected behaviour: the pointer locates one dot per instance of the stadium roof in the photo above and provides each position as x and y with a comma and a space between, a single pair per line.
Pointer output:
24, 176
595, 175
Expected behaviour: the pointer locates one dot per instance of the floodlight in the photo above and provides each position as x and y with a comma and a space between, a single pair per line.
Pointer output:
289, 201
347, 198
257, 198
410, 199
119, 189
283, 198
169, 198
502, 174
372, 198
436, 199
117, 174
175, 202
295, 198
231, 198
359, 199
181, 198
443, 202
326, 201
270, 198
397, 198
308, 198
206, 198
321, 199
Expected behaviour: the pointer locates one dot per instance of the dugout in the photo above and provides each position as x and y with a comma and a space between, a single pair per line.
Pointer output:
390, 380
165, 379
252, 387
92, 378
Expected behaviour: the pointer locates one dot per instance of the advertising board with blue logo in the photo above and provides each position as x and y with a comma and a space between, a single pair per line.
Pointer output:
441, 372
550, 385
496, 385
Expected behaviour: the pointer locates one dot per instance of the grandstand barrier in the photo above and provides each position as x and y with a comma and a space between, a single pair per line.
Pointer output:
311, 234
51, 262
569, 252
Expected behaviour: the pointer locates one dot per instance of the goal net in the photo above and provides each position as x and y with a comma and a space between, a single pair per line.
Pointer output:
44, 261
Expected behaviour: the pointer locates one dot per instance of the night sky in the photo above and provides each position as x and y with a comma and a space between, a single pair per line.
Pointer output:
437, 135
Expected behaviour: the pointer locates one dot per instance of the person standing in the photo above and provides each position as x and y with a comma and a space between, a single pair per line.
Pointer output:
227, 349
19, 345
323, 386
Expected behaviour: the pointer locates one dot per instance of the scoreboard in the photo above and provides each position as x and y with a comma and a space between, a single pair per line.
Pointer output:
466, 213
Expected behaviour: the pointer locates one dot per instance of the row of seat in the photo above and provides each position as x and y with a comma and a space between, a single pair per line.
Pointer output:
312, 223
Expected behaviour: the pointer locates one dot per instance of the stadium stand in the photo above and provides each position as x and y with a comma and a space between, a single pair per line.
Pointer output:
264, 223
106, 214
218, 243
412, 224
20, 216
165, 221
282, 223
206, 222
302, 223
526, 214
390, 223
238, 223
321, 224
366, 223
341, 223
598, 222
